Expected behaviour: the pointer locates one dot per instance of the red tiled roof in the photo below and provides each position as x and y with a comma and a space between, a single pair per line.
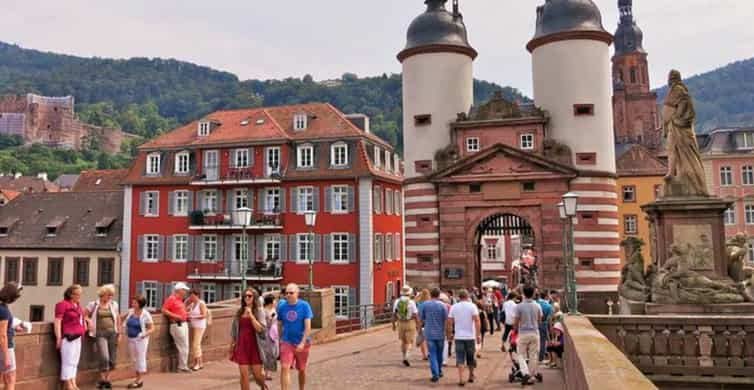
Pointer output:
27, 184
10, 194
637, 160
100, 180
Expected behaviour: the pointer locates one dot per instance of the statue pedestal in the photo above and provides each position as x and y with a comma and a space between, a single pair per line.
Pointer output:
695, 224
709, 309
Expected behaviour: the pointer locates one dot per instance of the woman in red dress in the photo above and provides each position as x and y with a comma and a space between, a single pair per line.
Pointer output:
244, 349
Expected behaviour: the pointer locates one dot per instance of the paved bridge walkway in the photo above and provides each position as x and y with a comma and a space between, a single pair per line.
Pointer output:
370, 361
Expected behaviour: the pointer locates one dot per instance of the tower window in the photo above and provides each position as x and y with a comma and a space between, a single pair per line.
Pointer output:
586, 158
629, 193
583, 109
423, 120
529, 186
633, 75
475, 187
423, 166
527, 141
472, 144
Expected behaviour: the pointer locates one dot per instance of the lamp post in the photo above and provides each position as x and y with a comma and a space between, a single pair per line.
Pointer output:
568, 212
242, 217
311, 220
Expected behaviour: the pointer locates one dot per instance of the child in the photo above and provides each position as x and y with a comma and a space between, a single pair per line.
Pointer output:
555, 344
483, 328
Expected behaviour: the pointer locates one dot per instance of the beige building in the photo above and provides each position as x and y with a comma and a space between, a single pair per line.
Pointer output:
49, 241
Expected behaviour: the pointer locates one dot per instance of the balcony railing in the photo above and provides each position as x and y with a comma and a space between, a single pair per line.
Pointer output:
223, 221
271, 269
212, 174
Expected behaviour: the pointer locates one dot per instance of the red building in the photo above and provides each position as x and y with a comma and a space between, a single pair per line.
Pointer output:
281, 162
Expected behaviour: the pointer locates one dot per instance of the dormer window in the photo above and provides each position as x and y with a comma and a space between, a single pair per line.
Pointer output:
6, 226
51, 231
527, 141
204, 128
745, 140
377, 155
153, 164
305, 156
182, 163
388, 160
339, 154
299, 122
472, 144
54, 226
4, 231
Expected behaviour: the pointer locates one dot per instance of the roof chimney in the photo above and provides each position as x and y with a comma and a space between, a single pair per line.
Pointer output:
359, 120
42, 175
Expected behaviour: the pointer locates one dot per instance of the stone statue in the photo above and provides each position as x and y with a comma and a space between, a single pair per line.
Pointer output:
685, 170
687, 286
633, 285
737, 248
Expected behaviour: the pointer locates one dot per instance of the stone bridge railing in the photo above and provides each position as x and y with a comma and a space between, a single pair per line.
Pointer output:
685, 349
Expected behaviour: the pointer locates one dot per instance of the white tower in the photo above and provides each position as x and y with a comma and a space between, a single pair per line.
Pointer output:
573, 82
437, 83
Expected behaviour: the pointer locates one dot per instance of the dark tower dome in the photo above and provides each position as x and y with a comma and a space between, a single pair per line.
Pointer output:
568, 19
437, 30
628, 37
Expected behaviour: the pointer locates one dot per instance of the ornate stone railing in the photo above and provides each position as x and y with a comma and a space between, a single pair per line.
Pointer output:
688, 349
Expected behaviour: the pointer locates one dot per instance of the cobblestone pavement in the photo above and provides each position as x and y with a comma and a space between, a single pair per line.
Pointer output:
370, 361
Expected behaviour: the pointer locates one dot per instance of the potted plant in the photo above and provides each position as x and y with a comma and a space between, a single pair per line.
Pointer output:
197, 218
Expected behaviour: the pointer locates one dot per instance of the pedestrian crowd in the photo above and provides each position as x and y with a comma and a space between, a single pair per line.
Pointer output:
440, 325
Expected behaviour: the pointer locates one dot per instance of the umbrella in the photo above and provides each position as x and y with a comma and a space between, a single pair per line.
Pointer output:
491, 284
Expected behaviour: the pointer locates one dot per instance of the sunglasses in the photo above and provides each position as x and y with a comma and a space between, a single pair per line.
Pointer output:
290, 292
249, 296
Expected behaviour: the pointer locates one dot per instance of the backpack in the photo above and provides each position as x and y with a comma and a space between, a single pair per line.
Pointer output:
402, 310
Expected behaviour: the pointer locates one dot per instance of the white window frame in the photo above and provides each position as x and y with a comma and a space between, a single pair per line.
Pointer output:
342, 294
300, 121
149, 240
377, 196
305, 156
526, 141
730, 216
271, 197
303, 247
204, 128
339, 199
272, 246
305, 199
397, 202
209, 241
631, 221
240, 198
378, 248
240, 243
472, 144
388, 160
154, 161
209, 292
273, 155
749, 213
377, 156
185, 243
210, 205
339, 154
182, 163
747, 175
181, 203
150, 293
152, 206
726, 176
492, 252
748, 143
629, 189
388, 256
389, 201
339, 244
241, 158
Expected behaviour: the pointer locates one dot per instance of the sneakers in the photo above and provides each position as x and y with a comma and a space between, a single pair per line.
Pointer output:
406, 363
525, 380
434, 379
539, 377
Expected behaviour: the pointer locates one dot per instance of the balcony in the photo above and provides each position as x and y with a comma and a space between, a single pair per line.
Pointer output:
220, 221
213, 175
269, 270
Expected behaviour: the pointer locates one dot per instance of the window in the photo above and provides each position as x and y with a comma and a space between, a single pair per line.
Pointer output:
340, 248
529, 186
241, 158
272, 200
81, 271
204, 128
527, 141
29, 276
475, 187
273, 160
339, 154
378, 248
749, 214
726, 176
388, 161
586, 158
209, 248
105, 271
747, 173
423, 120
583, 109
388, 247
180, 247
632, 72
182, 163
236, 292
153, 164
629, 193
630, 224
150, 293
305, 156
240, 199
377, 155
36, 313
209, 292
209, 202
272, 248
299, 122
54, 271
151, 248
340, 199
181, 204
388, 201
730, 216
152, 204
305, 199
11, 269
304, 247
745, 140
240, 249
424, 259
658, 191
341, 301
472, 144
423, 166
492, 252
377, 199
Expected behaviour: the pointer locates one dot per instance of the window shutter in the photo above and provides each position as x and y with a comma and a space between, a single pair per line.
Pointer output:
261, 197
388, 203
233, 159
228, 252
191, 248
282, 200
250, 199
160, 293
143, 203
192, 163
294, 199
397, 246
229, 201
353, 296
296, 247
315, 197
157, 202
260, 248
351, 199
160, 248
140, 249
317, 248
199, 201
190, 202
200, 250
328, 199
140, 288
349, 152
283, 248
250, 246
251, 157
328, 248
163, 161
266, 168
352, 256
171, 203
170, 256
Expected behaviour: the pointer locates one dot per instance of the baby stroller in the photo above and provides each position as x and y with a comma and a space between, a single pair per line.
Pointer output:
519, 367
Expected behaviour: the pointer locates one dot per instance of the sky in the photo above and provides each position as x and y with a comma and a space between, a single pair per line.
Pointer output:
266, 39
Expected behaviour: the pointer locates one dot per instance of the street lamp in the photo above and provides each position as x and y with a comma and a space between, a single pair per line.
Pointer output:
311, 220
242, 217
567, 210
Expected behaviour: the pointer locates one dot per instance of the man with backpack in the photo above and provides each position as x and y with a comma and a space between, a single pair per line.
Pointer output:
405, 315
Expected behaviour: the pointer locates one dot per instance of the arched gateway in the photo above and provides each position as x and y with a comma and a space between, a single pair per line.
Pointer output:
504, 248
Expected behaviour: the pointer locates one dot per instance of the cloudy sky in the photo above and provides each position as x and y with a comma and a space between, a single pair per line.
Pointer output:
281, 38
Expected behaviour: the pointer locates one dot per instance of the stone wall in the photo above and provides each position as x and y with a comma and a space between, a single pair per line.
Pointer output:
593, 363
685, 349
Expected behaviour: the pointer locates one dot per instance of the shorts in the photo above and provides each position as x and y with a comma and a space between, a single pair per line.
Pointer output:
466, 353
10, 368
289, 356
407, 331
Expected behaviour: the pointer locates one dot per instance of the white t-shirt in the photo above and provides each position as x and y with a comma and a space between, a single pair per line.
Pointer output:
510, 311
412, 310
463, 314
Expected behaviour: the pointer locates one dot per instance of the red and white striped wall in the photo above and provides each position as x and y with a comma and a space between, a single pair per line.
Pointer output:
422, 234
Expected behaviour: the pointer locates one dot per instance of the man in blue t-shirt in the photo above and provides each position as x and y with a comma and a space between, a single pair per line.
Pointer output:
295, 317
544, 326
434, 315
